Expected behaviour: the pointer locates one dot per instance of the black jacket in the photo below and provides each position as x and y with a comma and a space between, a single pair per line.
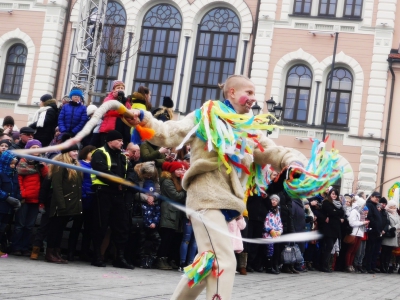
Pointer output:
118, 165
257, 208
46, 133
333, 227
299, 216
375, 220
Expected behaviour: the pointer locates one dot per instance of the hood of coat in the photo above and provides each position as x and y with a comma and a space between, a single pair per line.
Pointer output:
5, 161
165, 175
52, 103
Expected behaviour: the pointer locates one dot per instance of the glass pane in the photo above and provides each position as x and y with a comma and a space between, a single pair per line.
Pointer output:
196, 98
160, 41
147, 37
298, 6
331, 107
218, 42
153, 87
220, 19
199, 75
213, 73
301, 115
307, 7
289, 104
163, 16
204, 43
115, 14
155, 70
211, 94
173, 42
231, 47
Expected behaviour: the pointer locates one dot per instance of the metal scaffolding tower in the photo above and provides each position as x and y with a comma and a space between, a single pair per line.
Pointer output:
86, 44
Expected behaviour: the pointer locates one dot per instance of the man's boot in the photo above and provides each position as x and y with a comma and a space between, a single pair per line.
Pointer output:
98, 258
287, 269
35, 253
150, 261
242, 263
269, 268
121, 262
162, 264
143, 261
50, 257
57, 253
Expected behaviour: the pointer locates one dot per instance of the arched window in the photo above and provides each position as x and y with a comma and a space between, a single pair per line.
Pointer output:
156, 62
297, 94
339, 103
215, 55
14, 70
111, 49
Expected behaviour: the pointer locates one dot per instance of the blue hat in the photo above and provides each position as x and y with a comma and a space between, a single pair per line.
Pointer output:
76, 92
149, 186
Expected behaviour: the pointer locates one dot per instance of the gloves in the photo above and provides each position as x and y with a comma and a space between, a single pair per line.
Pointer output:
14, 202
274, 233
42, 208
121, 97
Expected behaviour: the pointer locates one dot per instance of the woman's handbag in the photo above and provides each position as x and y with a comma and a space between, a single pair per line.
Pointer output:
349, 239
391, 233
291, 254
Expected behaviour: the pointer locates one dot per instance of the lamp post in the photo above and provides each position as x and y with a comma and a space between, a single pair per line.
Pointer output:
272, 107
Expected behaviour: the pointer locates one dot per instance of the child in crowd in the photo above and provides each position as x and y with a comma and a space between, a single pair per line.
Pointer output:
272, 228
4, 145
73, 115
234, 227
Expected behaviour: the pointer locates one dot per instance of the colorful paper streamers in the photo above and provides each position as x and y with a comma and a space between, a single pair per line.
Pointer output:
203, 265
322, 171
256, 182
391, 191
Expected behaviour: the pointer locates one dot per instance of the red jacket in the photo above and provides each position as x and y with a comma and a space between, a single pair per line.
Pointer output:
30, 185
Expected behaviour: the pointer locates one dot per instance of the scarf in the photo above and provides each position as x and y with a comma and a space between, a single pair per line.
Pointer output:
391, 210
40, 116
27, 167
337, 204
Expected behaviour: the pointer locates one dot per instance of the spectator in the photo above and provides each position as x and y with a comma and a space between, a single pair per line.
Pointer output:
373, 244
45, 119
4, 145
164, 113
30, 175
334, 213
389, 241
150, 152
8, 125
140, 100
235, 226
15, 137
171, 217
26, 134
272, 228
73, 116
133, 154
58, 139
109, 203
66, 200
9, 193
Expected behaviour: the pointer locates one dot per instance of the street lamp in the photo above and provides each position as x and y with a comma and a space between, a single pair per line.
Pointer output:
271, 104
272, 107
256, 109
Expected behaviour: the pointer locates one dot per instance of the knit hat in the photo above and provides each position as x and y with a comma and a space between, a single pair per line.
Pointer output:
113, 135
76, 92
391, 203
33, 142
15, 135
8, 120
360, 201
26, 130
276, 197
117, 83
5, 142
91, 109
167, 102
381, 200
172, 166
148, 185
72, 148
46, 97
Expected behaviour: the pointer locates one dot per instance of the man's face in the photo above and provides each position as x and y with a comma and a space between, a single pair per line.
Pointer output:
133, 153
374, 199
5, 137
273, 175
383, 205
25, 137
116, 144
5, 126
242, 98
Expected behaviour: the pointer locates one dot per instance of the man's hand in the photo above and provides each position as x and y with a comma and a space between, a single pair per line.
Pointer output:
150, 200
152, 225
163, 150
327, 220
132, 117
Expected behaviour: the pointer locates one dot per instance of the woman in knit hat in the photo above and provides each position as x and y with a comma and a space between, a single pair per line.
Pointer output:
66, 200
171, 217
73, 116
30, 175
112, 119
45, 119
164, 113
8, 125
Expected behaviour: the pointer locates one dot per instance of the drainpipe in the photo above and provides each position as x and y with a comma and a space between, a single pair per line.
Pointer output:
390, 61
66, 22
182, 74
127, 55
244, 57
253, 42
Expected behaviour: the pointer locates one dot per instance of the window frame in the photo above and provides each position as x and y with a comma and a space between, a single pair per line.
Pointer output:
302, 13
297, 100
328, 4
352, 16
13, 96
157, 98
209, 59
337, 102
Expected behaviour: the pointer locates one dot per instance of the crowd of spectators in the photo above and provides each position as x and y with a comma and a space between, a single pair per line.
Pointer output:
140, 227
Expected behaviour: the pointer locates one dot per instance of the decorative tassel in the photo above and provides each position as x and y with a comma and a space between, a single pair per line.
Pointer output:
201, 268
145, 133
135, 137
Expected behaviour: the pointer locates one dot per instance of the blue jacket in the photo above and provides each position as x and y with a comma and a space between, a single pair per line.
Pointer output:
72, 117
86, 187
151, 214
9, 185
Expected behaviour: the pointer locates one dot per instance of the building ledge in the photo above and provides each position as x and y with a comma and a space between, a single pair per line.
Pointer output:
326, 17
366, 138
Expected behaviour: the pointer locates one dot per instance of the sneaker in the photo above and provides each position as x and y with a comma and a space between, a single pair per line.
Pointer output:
349, 269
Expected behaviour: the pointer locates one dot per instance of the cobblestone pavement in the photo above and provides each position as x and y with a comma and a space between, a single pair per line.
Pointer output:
22, 278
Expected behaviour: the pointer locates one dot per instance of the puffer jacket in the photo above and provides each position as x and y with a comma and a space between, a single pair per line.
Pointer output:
9, 185
171, 217
394, 222
72, 117
45, 133
110, 118
30, 183
86, 186
355, 221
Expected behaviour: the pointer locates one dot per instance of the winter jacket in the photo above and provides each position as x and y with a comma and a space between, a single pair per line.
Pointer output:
375, 220
110, 118
234, 227
355, 221
9, 185
257, 207
394, 220
46, 192
30, 183
45, 122
72, 117
151, 214
149, 152
272, 222
298, 215
86, 186
67, 193
171, 217
333, 227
